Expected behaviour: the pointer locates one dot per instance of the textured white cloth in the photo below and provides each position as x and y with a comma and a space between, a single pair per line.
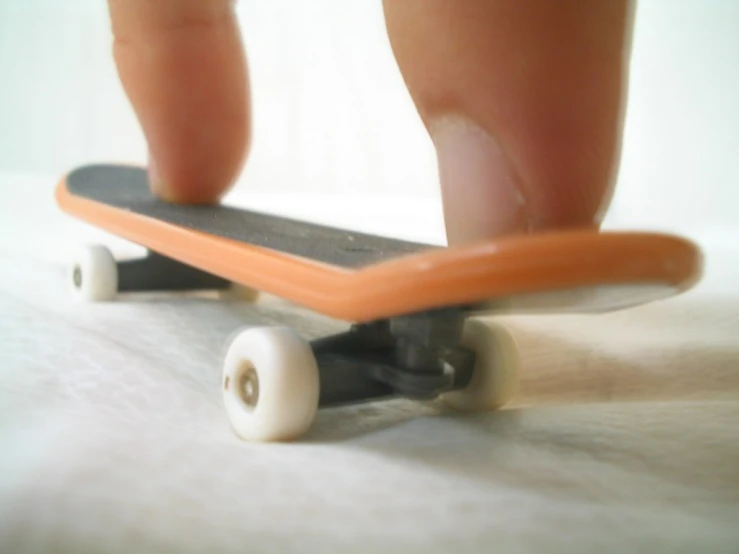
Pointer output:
624, 436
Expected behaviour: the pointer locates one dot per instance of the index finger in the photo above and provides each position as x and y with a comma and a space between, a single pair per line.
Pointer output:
182, 65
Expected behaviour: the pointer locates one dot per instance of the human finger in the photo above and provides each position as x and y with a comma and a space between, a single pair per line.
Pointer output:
183, 67
524, 102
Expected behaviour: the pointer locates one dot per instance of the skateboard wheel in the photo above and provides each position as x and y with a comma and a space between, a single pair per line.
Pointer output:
270, 384
94, 274
496, 372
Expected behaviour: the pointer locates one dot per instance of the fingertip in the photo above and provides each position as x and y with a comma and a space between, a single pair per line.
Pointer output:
540, 89
183, 67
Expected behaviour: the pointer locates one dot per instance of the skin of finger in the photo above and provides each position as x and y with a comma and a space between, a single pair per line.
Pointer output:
183, 67
547, 79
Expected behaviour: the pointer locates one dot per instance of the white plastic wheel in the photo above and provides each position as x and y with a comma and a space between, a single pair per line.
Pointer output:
94, 274
496, 373
270, 384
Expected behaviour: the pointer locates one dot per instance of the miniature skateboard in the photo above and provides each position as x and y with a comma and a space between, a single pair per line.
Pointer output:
412, 308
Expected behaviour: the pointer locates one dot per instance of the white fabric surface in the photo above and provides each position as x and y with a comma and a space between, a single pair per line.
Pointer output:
112, 437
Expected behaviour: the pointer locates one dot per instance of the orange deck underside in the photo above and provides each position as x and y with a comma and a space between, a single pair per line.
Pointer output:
439, 277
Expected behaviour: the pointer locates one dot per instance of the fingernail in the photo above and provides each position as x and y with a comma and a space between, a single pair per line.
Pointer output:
480, 190
155, 179
155, 182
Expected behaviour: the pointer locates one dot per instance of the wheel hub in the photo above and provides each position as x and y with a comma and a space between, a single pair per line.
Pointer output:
77, 276
248, 386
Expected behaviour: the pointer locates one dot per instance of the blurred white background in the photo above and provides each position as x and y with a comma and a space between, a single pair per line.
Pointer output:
332, 115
